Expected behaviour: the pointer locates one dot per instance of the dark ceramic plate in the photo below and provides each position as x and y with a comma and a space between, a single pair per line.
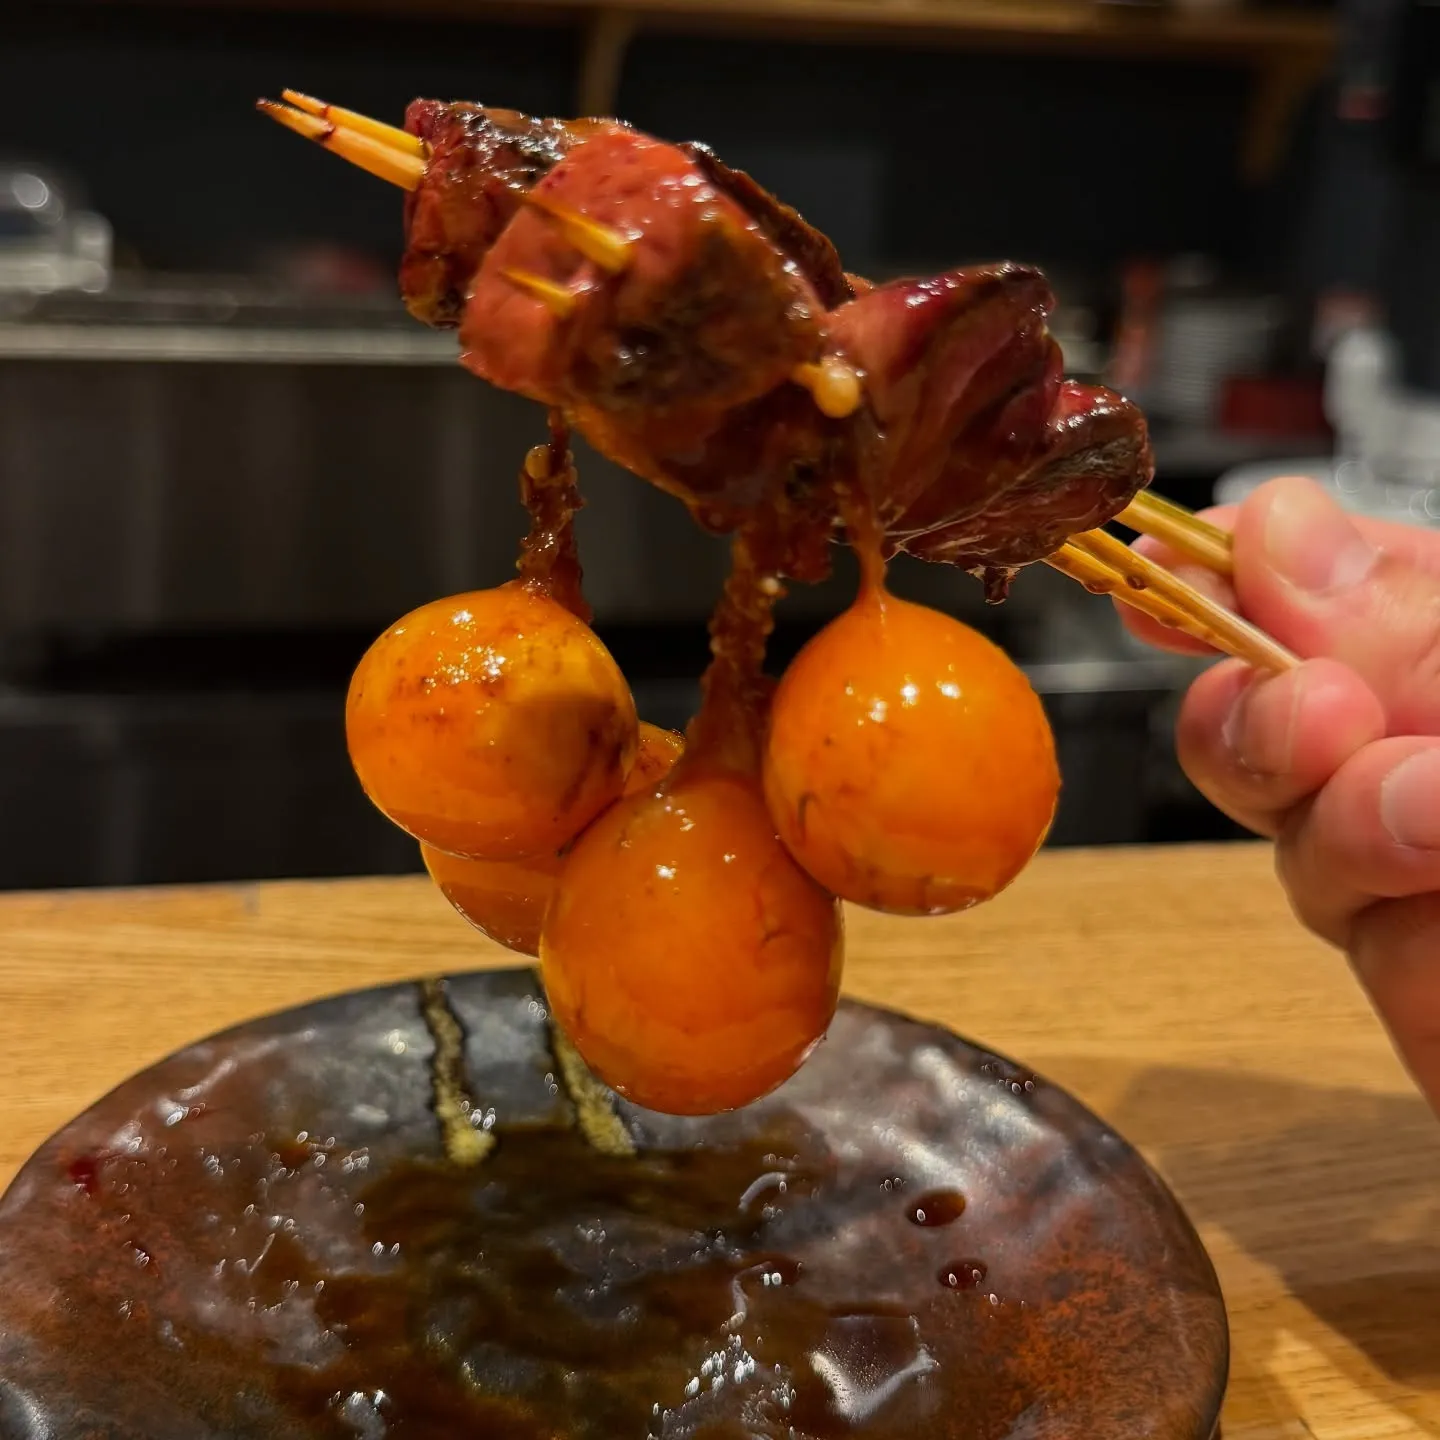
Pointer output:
263, 1237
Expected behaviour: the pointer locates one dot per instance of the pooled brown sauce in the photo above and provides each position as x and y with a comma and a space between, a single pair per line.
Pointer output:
292, 1258
518, 1307
745, 1291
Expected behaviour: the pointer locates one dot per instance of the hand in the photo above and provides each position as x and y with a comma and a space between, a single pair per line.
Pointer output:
1339, 760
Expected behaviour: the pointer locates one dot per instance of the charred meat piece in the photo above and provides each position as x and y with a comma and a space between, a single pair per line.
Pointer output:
1095, 459
482, 163
985, 457
960, 376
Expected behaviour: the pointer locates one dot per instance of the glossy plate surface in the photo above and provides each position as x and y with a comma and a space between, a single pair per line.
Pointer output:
262, 1236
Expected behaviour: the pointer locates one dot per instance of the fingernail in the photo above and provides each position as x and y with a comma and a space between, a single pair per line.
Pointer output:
1311, 542
1232, 728
1259, 735
1410, 801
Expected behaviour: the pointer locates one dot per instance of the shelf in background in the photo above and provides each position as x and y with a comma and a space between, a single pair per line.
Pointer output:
1239, 31
221, 345
1289, 50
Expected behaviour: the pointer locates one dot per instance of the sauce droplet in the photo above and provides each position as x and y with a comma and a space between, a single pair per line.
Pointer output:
775, 1270
84, 1173
963, 1275
937, 1207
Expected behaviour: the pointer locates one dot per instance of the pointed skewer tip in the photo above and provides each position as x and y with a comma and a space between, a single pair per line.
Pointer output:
598, 243
559, 301
370, 154
391, 135
833, 383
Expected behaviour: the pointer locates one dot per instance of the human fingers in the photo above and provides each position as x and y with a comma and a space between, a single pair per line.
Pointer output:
1372, 832
1395, 951
1415, 545
1257, 745
1317, 582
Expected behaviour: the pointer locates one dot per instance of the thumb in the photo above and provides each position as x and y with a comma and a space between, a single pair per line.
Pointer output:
1305, 573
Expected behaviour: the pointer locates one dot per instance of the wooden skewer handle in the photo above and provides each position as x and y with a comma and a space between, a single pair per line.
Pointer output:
1186, 534
1100, 579
1104, 565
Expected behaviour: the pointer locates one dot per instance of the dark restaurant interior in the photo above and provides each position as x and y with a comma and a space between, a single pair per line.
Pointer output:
229, 458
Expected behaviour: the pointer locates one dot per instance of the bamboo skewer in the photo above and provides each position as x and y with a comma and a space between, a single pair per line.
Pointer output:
1141, 583
1079, 563
556, 298
834, 385
377, 156
391, 135
1187, 534
602, 244
1100, 579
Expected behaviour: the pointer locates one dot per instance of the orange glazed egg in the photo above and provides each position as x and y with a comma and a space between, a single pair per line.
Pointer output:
493, 725
690, 960
909, 764
507, 899
504, 899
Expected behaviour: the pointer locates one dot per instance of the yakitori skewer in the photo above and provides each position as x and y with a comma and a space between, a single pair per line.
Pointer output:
1095, 559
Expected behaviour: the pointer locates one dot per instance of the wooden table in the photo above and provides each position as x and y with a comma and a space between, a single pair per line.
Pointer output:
1169, 989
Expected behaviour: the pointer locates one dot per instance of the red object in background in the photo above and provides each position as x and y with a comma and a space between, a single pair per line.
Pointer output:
1337, 311
1273, 405
1361, 104
1142, 285
323, 269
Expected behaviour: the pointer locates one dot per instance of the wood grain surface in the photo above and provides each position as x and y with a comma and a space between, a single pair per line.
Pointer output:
1167, 988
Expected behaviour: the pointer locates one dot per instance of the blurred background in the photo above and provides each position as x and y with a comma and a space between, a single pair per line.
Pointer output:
228, 458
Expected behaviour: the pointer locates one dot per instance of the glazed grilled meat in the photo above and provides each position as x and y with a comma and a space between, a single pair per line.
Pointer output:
686, 362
